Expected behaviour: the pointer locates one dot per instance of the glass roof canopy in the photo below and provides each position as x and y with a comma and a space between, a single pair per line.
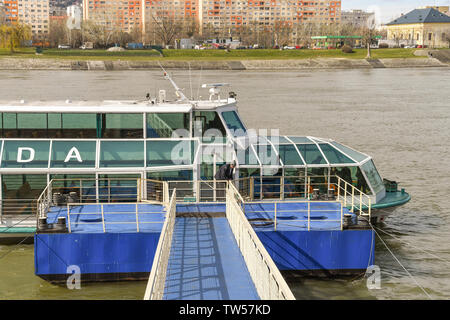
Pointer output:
290, 151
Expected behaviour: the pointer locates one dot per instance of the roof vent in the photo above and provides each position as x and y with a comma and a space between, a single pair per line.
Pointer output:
22, 101
68, 101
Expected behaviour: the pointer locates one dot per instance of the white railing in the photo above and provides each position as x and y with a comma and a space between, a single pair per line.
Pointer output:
332, 214
350, 195
157, 278
268, 280
160, 126
44, 201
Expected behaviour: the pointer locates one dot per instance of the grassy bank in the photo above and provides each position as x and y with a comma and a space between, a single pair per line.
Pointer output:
171, 54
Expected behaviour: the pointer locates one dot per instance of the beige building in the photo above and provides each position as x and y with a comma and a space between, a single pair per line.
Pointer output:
35, 13
442, 9
426, 27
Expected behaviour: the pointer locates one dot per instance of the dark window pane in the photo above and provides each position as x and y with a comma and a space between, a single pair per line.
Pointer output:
79, 125
54, 125
207, 124
32, 125
10, 125
122, 125
19, 192
162, 125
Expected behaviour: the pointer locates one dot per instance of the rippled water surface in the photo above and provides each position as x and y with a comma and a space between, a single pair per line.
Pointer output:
401, 117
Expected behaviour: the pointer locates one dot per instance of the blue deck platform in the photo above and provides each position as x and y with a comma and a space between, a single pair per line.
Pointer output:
202, 248
206, 264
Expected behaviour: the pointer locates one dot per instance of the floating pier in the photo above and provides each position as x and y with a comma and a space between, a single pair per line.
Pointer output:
232, 249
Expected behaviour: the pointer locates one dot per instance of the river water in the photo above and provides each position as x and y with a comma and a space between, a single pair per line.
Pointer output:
401, 117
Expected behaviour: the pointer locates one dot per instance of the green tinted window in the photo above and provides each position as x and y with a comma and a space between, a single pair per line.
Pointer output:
122, 125
207, 124
73, 154
162, 125
372, 174
169, 153
10, 125
311, 154
79, 125
25, 154
172, 175
122, 154
334, 156
289, 154
234, 123
352, 153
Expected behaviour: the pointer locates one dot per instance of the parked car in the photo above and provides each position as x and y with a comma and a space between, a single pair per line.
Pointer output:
64, 46
288, 48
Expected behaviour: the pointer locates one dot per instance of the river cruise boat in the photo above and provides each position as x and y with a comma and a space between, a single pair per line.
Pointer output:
103, 148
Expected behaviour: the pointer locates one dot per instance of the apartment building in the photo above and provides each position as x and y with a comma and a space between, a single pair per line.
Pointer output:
217, 14
11, 11
233, 14
35, 13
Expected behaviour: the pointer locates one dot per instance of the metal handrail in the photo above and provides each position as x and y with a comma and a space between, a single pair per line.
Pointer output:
157, 278
268, 280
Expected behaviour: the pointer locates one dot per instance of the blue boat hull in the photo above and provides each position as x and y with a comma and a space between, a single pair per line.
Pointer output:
129, 256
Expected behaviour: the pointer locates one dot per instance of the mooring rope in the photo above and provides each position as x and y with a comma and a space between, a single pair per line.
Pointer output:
398, 261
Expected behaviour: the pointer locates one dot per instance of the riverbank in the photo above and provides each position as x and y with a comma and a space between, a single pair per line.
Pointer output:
285, 64
268, 59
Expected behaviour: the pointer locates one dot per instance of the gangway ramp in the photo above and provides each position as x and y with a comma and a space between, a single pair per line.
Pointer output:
213, 257
205, 263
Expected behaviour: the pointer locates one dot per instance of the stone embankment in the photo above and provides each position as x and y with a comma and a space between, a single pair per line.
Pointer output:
435, 58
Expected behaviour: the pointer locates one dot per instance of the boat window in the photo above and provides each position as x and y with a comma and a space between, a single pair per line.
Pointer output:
333, 155
170, 175
352, 153
54, 129
289, 154
122, 154
170, 153
25, 154
267, 154
294, 183
9, 125
163, 125
351, 175
234, 123
122, 125
83, 184
73, 154
19, 191
79, 125
207, 124
372, 175
32, 125
311, 154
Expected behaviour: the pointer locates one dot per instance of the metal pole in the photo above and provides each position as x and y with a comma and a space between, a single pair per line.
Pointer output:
103, 218
68, 218
309, 216
275, 225
137, 218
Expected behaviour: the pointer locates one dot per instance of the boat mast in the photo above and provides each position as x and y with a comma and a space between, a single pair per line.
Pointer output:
178, 91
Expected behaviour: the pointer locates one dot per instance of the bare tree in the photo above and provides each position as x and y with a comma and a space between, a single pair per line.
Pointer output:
58, 33
368, 33
165, 27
